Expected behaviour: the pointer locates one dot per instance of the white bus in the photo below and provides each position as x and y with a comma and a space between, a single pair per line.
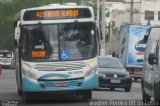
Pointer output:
5, 58
56, 49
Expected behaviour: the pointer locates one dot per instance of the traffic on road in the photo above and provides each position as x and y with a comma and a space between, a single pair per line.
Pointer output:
8, 94
80, 53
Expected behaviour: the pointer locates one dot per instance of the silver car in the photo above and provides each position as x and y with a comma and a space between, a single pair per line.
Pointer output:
112, 74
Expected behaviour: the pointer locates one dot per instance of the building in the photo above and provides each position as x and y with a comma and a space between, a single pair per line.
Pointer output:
121, 14
152, 6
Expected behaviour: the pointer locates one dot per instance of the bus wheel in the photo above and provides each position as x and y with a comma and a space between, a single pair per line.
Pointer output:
156, 94
20, 93
27, 96
19, 87
145, 97
87, 94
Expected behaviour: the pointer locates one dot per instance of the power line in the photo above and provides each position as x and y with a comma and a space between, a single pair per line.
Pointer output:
131, 9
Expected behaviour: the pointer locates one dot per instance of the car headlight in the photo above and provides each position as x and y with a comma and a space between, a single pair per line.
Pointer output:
102, 75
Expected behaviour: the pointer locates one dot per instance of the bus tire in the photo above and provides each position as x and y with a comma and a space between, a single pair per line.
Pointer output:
87, 94
156, 94
20, 93
19, 85
145, 97
27, 96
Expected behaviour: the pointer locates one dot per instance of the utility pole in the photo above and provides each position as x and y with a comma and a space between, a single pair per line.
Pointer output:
131, 12
98, 13
103, 51
131, 9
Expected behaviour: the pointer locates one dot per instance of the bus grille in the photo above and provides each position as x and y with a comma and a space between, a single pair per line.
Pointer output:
60, 66
71, 83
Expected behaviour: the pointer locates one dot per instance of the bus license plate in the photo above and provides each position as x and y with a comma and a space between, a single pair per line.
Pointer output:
61, 84
115, 81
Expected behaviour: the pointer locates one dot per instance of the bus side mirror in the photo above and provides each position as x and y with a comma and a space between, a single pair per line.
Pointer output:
17, 34
152, 59
145, 38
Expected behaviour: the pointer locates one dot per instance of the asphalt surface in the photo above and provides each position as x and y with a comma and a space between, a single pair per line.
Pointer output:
101, 97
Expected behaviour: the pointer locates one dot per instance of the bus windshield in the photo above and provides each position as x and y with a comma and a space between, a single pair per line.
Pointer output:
59, 42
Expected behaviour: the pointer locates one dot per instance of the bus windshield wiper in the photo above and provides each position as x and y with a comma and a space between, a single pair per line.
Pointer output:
42, 29
71, 29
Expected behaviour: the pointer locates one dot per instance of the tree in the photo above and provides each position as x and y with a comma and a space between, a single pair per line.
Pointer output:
8, 11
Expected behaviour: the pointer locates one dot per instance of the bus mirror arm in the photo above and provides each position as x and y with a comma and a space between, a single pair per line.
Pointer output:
145, 38
17, 35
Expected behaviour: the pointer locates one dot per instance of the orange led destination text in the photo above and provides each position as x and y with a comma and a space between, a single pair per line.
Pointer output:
37, 54
56, 13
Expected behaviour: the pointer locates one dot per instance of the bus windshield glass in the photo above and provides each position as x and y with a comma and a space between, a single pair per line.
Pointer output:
59, 42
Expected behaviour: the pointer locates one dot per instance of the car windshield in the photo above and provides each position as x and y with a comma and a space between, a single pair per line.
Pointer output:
59, 42
109, 63
154, 33
5, 54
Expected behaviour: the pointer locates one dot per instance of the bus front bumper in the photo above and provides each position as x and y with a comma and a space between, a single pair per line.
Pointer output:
47, 86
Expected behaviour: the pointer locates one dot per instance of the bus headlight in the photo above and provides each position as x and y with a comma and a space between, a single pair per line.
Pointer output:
95, 69
91, 72
88, 73
29, 74
33, 76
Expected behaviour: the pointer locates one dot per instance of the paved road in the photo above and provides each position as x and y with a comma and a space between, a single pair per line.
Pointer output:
8, 93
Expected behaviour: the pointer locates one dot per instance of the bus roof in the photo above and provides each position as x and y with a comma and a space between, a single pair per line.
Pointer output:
54, 6
20, 15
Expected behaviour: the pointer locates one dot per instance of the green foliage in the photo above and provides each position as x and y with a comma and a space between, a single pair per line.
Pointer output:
8, 11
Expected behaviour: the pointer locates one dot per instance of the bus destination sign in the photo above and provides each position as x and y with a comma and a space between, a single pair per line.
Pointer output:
55, 14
